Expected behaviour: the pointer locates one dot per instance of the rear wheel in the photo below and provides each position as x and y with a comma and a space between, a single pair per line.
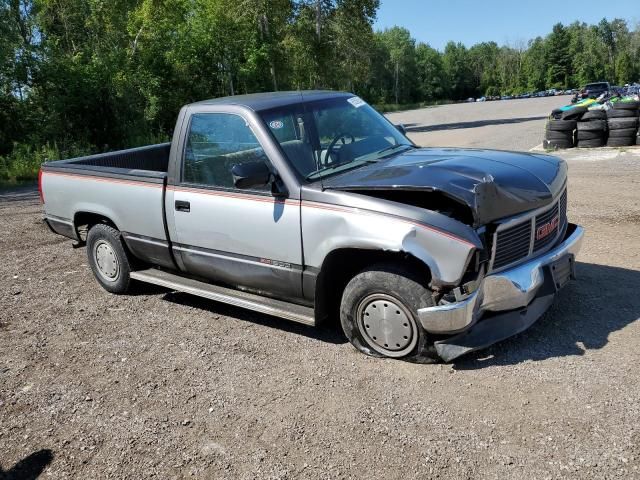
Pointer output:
108, 258
379, 312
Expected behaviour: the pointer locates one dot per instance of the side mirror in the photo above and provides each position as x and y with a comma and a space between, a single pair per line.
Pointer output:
401, 129
250, 174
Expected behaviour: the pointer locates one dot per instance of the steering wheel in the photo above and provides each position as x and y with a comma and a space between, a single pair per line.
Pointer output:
328, 159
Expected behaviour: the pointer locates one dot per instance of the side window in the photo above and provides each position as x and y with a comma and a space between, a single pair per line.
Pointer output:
215, 143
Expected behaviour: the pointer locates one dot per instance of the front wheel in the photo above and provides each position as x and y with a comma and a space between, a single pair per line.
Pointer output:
108, 258
379, 313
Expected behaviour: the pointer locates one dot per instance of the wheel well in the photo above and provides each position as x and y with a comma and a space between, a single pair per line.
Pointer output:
340, 266
83, 221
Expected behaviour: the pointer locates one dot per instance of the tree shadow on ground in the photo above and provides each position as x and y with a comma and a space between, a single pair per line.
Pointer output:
415, 128
29, 468
18, 193
601, 301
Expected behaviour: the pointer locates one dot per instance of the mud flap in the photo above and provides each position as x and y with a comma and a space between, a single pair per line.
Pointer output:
493, 329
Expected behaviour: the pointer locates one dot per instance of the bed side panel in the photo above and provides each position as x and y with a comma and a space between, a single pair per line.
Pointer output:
134, 206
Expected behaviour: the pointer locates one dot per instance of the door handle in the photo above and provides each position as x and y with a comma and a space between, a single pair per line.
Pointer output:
182, 206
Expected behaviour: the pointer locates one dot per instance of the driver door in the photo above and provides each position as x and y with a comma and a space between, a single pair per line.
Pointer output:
244, 238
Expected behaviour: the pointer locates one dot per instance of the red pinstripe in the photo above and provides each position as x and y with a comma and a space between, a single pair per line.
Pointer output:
256, 198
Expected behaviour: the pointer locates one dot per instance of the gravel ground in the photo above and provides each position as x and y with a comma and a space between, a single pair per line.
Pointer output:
505, 125
160, 384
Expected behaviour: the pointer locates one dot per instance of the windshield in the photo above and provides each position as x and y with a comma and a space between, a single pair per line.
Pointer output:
326, 137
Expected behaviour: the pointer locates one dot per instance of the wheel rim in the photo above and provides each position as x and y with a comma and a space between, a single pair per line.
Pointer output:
387, 325
106, 261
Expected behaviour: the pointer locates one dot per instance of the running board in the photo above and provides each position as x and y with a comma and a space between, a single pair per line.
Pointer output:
250, 301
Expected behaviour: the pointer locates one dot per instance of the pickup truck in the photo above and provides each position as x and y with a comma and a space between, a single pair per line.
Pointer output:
312, 206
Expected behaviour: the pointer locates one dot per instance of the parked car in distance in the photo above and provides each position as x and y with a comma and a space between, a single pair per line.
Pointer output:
594, 90
311, 206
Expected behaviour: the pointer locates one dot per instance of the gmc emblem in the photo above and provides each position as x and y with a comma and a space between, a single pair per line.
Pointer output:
548, 228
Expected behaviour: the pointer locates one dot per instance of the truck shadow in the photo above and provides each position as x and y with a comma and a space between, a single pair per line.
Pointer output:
601, 301
329, 332
29, 468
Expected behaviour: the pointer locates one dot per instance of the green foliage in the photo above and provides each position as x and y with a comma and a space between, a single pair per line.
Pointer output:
85, 76
24, 160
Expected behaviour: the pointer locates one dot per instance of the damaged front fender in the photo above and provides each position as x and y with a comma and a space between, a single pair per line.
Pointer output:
328, 227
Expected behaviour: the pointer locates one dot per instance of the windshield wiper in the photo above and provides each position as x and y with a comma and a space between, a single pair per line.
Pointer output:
392, 147
337, 165
356, 163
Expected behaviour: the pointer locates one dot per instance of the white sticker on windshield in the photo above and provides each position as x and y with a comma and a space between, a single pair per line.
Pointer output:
276, 124
356, 102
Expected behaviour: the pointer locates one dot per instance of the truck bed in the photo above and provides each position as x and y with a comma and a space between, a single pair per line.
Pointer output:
151, 158
126, 187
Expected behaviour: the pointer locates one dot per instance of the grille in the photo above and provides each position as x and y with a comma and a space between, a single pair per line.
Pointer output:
563, 209
512, 244
515, 243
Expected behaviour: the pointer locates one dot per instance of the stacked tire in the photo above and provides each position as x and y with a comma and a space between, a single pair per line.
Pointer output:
592, 129
559, 134
622, 121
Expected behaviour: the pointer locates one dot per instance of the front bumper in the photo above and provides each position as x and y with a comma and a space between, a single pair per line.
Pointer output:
522, 294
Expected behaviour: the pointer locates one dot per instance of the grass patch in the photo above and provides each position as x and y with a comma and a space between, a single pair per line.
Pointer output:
23, 163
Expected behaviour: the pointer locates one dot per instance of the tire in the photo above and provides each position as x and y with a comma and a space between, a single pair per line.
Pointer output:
592, 126
108, 258
591, 143
399, 293
562, 125
621, 141
573, 113
557, 144
632, 105
594, 115
556, 114
623, 132
589, 135
559, 135
621, 113
622, 123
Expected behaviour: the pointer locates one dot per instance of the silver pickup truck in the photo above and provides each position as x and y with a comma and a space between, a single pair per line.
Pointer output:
312, 206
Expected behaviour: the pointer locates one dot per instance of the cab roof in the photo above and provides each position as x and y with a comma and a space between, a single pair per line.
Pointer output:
268, 100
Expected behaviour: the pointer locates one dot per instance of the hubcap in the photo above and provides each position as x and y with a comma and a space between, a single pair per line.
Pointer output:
106, 260
387, 325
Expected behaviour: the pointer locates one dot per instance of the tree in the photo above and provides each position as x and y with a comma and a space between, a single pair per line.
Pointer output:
402, 61
457, 65
431, 75
557, 57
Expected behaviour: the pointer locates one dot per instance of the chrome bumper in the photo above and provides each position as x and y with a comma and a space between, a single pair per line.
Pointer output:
511, 289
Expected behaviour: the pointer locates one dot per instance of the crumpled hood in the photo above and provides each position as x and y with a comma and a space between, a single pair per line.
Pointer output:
494, 184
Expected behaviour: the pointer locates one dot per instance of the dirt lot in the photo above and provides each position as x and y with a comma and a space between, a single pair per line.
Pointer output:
164, 385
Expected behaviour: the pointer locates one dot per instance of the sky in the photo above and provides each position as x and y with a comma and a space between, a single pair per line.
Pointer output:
502, 21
